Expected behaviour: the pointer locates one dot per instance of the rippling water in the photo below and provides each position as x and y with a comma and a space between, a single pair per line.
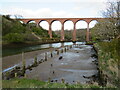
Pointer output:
16, 50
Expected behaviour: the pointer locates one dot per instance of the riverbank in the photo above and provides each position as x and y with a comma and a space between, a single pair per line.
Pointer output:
30, 83
70, 71
72, 64
13, 60
109, 61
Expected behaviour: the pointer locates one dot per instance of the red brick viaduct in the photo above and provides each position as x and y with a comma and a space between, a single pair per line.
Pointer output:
63, 20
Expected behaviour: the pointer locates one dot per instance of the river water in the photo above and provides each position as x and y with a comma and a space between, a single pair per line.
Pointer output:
16, 50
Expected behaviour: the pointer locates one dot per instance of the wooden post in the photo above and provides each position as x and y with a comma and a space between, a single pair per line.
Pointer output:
65, 49
15, 74
35, 61
63, 80
61, 50
58, 52
23, 64
45, 56
51, 54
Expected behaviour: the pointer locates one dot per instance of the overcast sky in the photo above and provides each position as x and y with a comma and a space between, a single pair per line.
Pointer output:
55, 9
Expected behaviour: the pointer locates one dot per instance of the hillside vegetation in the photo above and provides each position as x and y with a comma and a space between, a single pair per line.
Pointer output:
15, 32
80, 34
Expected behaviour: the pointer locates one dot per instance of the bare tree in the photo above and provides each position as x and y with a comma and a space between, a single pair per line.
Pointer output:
113, 12
110, 28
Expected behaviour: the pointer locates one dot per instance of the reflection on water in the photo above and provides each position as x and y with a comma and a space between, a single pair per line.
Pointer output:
12, 51
56, 45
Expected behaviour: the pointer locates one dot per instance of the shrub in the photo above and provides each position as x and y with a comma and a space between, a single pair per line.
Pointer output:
14, 37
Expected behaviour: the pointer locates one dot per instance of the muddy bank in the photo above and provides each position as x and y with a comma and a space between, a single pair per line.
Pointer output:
73, 64
13, 60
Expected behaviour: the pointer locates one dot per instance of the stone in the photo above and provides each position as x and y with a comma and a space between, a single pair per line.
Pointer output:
60, 57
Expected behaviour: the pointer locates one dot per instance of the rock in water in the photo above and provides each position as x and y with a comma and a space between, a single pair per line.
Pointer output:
51, 65
51, 81
55, 80
84, 76
60, 57
53, 72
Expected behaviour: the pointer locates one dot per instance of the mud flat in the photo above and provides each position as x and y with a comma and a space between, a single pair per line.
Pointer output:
73, 66
11, 61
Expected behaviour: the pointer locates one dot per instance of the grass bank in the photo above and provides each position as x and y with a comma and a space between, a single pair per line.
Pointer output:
109, 61
30, 83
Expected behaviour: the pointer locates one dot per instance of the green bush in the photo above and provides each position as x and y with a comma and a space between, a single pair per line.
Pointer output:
14, 37
40, 31
12, 26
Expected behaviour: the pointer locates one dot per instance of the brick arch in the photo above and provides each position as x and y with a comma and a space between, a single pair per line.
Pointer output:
90, 23
42, 21
94, 20
81, 20
30, 21
54, 21
68, 20
49, 23
74, 30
